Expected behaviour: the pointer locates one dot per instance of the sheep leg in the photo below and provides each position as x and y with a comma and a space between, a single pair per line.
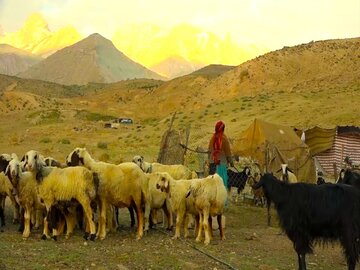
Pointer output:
132, 216
179, 221
101, 233
16, 210
38, 218
147, 216
70, 222
140, 220
27, 216
168, 214
201, 221
2, 207
210, 228
206, 226
85, 203
186, 225
197, 219
46, 230
221, 227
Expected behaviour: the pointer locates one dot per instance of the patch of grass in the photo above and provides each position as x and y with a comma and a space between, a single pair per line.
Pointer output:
102, 145
45, 140
64, 141
92, 116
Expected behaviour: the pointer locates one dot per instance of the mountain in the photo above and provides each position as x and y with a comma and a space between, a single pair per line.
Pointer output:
93, 59
13, 60
173, 67
36, 37
152, 45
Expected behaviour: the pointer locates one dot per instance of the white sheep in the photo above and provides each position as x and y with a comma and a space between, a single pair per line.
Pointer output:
155, 199
63, 184
176, 171
287, 174
25, 188
119, 185
183, 207
209, 197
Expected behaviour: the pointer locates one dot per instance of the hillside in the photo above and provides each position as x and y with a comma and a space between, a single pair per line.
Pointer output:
13, 60
93, 59
303, 86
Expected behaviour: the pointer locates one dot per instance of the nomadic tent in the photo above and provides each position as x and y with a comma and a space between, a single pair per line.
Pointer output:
272, 145
330, 147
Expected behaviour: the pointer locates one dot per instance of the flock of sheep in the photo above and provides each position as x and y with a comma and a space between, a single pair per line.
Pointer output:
44, 191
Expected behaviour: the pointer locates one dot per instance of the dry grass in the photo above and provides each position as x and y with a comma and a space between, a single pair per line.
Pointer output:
250, 244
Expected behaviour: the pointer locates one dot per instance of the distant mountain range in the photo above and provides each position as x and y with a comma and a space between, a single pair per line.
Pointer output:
171, 52
93, 59
13, 60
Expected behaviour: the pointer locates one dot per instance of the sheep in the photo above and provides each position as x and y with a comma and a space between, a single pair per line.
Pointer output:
6, 190
156, 199
210, 196
63, 184
309, 212
119, 185
51, 162
183, 207
25, 187
176, 171
288, 175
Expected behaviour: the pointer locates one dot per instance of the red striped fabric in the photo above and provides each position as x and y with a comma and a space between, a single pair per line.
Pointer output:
344, 145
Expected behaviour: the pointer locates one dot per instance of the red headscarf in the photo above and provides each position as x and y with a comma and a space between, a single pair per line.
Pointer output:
217, 141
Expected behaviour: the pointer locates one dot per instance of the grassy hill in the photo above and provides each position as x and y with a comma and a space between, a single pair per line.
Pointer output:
306, 85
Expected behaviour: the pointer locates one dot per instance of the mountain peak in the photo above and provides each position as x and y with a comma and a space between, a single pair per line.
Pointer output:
36, 21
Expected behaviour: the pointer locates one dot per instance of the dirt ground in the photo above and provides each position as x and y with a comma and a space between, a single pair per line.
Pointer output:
249, 244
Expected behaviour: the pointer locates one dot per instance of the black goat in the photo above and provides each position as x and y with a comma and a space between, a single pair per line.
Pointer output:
238, 179
309, 212
349, 177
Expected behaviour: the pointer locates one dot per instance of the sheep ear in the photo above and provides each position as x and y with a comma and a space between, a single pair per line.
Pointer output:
142, 158
166, 185
279, 170
188, 193
289, 170
7, 172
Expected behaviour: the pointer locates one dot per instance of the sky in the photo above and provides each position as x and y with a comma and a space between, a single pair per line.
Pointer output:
269, 23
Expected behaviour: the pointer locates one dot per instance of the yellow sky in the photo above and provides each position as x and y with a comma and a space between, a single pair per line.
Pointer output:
270, 23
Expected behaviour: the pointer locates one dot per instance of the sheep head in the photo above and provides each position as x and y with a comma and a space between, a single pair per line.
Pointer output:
76, 157
164, 182
13, 171
4, 162
33, 161
139, 160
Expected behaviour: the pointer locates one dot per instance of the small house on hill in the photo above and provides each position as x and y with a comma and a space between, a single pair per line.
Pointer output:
330, 147
271, 145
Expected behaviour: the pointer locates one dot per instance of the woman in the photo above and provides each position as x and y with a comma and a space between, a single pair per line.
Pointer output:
220, 153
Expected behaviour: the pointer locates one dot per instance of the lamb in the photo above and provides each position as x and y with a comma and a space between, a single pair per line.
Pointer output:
67, 184
309, 212
176, 171
176, 191
288, 175
119, 185
209, 197
25, 187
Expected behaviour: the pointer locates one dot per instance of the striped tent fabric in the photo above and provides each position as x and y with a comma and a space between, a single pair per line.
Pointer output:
346, 143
